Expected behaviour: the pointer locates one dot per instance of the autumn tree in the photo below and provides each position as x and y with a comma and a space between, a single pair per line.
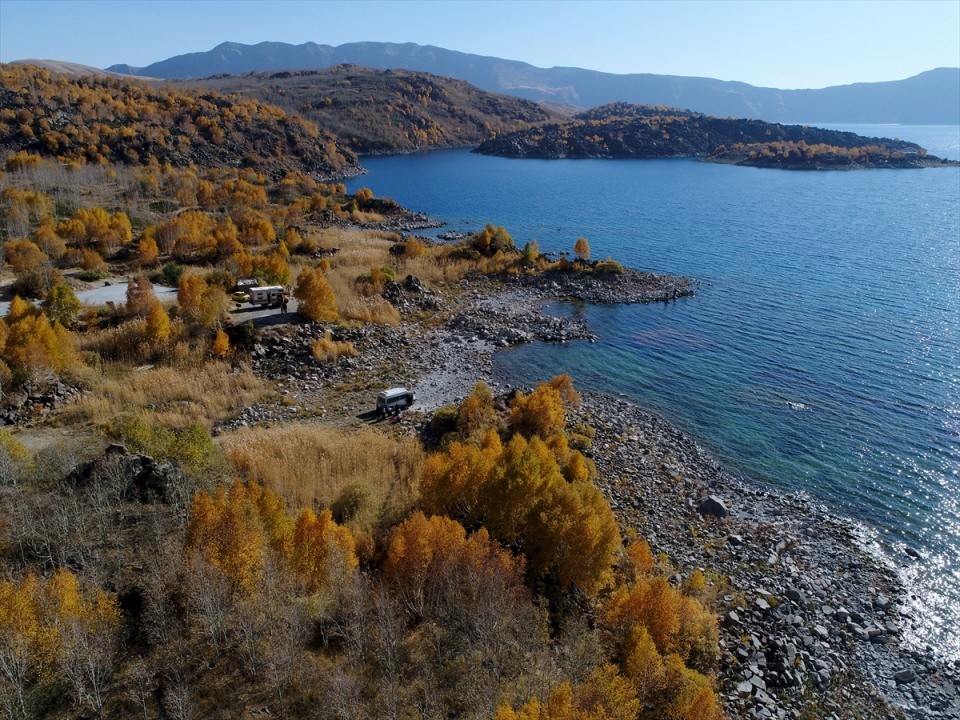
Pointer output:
188, 236
221, 345
34, 271
61, 305
201, 304
540, 413
477, 413
34, 349
581, 248
140, 295
518, 492
605, 695
52, 632
227, 531
21, 209
46, 238
466, 593
158, 324
664, 640
148, 251
427, 555
492, 240
323, 553
237, 531
315, 296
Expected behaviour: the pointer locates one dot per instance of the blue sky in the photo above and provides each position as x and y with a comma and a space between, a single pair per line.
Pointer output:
772, 43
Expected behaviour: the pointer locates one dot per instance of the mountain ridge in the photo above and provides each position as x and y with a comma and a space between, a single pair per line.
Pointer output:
386, 111
931, 97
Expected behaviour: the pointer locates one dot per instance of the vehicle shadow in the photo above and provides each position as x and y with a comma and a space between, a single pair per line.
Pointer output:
276, 318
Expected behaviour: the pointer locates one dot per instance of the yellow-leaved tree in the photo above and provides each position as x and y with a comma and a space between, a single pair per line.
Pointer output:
315, 296
665, 641
33, 349
237, 530
604, 695
52, 634
323, 553
221, 345
581, 248
158, 324
518, 492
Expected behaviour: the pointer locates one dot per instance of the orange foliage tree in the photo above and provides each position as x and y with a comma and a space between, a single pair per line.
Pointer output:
201, 304
543, 412
605, 695
31, 347
664, 640
581, 248
315, 296
518, 492
237, 529
53, 632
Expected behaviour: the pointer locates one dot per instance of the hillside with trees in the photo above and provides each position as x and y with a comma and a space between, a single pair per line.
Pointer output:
184, 535
375, 111
622, 130
104, 120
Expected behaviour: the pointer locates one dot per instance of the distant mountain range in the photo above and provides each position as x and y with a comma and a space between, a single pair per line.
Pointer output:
932, 97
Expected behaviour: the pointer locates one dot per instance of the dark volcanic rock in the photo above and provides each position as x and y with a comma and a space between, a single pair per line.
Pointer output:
132, 475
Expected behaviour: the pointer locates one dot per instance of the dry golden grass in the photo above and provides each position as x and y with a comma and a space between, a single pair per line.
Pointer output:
362, 217
173, 398
328, 350
371, 311
368, 479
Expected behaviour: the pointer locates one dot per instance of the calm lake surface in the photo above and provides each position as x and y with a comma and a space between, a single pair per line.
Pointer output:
821, 353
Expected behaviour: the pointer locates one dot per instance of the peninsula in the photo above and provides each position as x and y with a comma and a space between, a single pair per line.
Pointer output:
622, 130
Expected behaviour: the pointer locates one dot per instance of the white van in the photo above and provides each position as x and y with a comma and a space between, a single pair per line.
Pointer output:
394, 400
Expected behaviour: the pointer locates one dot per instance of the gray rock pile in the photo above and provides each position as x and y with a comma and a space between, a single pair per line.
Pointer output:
630, 286
25, 407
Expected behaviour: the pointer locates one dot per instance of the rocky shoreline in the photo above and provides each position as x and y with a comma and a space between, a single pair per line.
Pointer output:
811, 624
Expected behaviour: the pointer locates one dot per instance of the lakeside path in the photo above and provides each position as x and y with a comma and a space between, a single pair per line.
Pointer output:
812, 624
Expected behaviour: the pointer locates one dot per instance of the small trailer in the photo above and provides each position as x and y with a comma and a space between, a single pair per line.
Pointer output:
266, 295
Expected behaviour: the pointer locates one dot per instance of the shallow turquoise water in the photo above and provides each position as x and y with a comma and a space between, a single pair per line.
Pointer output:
822, 351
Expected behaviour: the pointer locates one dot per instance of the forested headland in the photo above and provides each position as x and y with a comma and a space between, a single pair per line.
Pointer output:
621, 130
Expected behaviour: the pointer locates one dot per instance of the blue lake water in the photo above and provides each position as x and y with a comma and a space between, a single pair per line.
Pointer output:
822, 350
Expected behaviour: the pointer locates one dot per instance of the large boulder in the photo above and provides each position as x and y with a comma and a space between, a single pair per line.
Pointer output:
135, 476
712, 506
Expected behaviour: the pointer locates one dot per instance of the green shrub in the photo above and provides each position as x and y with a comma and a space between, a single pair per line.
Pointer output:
353, 499
168, 275
92, 275
444, 420
608, 267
